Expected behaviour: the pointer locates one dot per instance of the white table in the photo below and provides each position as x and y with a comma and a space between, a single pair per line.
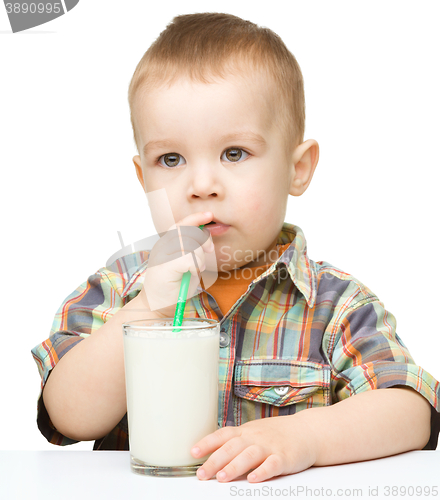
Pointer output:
106, 475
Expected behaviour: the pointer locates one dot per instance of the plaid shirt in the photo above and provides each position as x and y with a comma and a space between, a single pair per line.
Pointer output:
305, 334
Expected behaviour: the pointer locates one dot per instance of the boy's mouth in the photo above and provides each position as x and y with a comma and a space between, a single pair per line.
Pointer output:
216, 227
216, 221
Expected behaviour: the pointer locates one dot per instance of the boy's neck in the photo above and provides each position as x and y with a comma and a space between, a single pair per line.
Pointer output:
269, 256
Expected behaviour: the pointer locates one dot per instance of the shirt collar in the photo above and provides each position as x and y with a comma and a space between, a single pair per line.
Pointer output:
300, 268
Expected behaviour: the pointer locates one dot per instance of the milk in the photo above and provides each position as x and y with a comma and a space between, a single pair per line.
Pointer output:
172, 392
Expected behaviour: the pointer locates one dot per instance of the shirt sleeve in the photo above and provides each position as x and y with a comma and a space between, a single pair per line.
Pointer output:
366, 353
82, 312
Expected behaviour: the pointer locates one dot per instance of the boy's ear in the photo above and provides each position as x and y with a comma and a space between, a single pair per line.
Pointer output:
139, 173
305, 158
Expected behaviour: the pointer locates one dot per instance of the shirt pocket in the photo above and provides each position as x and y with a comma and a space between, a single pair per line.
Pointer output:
268, 388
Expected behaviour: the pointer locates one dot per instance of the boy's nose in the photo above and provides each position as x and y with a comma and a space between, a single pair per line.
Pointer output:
212, 195
205, 183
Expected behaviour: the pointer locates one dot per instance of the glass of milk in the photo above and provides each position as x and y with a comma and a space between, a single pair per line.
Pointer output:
172, 392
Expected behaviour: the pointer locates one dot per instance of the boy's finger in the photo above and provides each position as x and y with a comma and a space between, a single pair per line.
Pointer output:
185, 234
186, 263
208, 246
196, 219
213, 441
271, 467
170, 250
220, 458
249, 458
183, 244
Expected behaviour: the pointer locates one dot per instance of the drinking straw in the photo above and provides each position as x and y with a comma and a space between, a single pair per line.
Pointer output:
181, 301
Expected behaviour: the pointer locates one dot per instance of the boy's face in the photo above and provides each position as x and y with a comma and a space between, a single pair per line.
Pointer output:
215, 147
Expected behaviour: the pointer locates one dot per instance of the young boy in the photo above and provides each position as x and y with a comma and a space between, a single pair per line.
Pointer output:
217, 107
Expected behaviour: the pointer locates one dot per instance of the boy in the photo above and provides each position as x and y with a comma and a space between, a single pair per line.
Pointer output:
217, 108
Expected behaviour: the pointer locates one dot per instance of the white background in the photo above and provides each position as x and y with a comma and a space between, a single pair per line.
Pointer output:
69, 184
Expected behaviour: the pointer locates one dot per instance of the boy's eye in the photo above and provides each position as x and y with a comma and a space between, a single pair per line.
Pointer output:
172, 160
234, 155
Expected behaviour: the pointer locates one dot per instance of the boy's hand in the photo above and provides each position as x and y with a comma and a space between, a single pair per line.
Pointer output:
272, 446
167, 264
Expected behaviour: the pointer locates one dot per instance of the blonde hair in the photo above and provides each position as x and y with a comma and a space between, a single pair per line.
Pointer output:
207, 45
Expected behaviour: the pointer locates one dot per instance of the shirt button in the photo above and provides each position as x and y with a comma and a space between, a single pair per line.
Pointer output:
225, 339
281, 391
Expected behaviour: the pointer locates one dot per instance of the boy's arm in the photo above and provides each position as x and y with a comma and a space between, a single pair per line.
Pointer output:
85, 392
369, 425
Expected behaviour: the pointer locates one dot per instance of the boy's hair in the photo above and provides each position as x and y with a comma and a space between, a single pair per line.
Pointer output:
208, 45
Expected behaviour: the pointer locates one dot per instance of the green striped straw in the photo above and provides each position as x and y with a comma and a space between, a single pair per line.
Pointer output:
181, 301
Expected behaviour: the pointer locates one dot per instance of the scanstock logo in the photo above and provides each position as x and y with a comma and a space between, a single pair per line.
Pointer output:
25, 14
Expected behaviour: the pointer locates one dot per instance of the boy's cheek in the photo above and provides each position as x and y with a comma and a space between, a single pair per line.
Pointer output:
253, 202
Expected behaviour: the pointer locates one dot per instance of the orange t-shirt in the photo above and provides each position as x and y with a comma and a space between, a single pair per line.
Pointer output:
231, 285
